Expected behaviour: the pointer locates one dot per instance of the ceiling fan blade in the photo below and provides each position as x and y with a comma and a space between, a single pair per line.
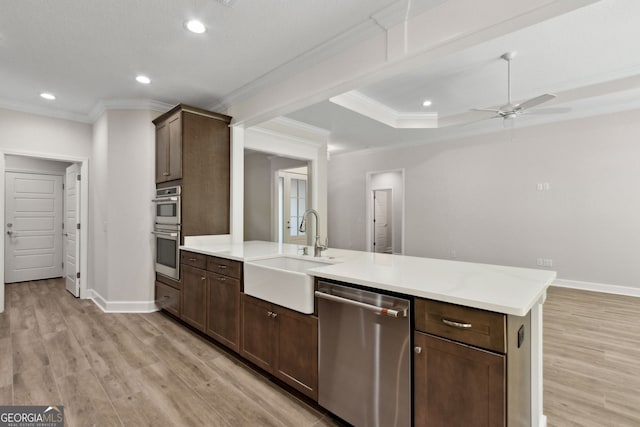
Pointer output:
547, 111
490, 110
535, 101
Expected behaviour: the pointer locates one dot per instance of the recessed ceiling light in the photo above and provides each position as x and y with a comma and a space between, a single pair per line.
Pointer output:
426, 103
143, 79
195, 26
48, 96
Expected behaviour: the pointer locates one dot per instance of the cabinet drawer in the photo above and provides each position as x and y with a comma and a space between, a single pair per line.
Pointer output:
193, 259
484, 329
224, 266
168, 298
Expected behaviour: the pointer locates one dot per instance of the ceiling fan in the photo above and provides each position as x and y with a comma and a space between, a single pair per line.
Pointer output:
510, 111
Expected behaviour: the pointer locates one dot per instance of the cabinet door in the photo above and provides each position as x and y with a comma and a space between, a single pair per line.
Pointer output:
169, 149
194, 292
256, 332
162, 152
296, 350
223, 310
175, 147
457, 385
168, 298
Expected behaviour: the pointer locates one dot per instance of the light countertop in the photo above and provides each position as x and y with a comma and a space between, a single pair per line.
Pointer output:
509, 290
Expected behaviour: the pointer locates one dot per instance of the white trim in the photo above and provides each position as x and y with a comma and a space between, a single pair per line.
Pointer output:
598, 287
121, 306
44, 111
369, 207
369, 107
35, 172
126, 104
282, 136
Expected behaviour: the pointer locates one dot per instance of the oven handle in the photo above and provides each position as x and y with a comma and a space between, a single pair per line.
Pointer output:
162, 233
165, 199
378, 310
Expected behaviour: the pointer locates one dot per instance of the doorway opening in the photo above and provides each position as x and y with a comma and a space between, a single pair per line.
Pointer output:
277, 191
43, 203
385, 211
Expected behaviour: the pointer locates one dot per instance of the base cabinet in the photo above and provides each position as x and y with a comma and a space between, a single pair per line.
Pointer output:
457, 385
282, 342
168, 298
223, 310
194, 291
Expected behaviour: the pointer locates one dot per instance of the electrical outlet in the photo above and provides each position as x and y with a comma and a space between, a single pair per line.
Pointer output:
539, 262
546, 186
547, 262
539, 186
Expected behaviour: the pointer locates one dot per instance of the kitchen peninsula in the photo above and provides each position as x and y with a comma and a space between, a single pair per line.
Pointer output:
505, 304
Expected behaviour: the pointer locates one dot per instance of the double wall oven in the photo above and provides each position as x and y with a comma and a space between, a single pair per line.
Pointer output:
167, 231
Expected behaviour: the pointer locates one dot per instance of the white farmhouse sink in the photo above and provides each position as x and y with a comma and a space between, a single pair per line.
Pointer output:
282, 281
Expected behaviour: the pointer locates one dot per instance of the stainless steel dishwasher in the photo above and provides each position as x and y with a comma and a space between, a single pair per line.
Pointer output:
364, 358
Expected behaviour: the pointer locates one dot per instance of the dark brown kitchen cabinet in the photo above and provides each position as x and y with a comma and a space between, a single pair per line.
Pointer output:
282, 342
193, 150
223, 309
168, 298
169, 148
194, 291
457, 385
471, 367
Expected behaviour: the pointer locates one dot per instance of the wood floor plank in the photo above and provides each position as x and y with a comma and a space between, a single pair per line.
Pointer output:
65, 355
6, 395
23, 318
85, 402
280, 404
168, 393
139, 327
5, 322
183, 362
35, 387
48, 316
6, 362
591, 359
112, 370
229, 398
138, 410
28, 350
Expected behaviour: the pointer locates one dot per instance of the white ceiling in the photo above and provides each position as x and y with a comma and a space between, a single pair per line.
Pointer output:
572, 55
87, 51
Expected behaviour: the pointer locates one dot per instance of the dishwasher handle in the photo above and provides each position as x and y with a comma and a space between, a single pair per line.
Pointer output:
400, 312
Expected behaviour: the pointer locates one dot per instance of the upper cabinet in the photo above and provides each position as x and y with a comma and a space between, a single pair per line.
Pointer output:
193, 150
169, 148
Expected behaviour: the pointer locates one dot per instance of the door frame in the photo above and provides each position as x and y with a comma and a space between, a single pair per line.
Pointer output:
84, 214
369, 187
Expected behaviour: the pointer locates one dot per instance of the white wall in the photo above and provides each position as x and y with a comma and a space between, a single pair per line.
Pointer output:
28, 134
123, 173
478, 197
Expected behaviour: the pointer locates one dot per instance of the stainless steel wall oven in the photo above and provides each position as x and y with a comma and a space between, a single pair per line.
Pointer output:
167, 231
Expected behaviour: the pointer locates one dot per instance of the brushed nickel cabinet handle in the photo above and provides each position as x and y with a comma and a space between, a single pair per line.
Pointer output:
222, 279
417, 349
274, 315
192, 259
165, 173
457, 324
269, 313
203, 278
222, 267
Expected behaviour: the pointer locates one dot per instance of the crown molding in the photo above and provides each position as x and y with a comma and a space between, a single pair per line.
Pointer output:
369, 107
90, 118
286, 136
44, 111
295, 128
127, 104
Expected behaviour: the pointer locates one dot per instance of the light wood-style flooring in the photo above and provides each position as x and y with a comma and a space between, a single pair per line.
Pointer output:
145, 369
591, 359
128, 369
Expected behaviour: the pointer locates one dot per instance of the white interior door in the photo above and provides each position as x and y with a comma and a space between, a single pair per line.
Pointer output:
382, 221
294, 205
33, 239
72, 230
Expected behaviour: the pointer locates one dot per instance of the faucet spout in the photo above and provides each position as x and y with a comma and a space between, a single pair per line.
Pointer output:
317, 247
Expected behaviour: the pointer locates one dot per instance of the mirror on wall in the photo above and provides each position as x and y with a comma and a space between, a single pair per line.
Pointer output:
276, 193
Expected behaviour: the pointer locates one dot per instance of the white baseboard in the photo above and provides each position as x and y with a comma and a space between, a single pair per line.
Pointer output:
598, 287
543, 421
121, 306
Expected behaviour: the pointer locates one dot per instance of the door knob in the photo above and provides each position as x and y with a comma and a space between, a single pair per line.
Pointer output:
9, 232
